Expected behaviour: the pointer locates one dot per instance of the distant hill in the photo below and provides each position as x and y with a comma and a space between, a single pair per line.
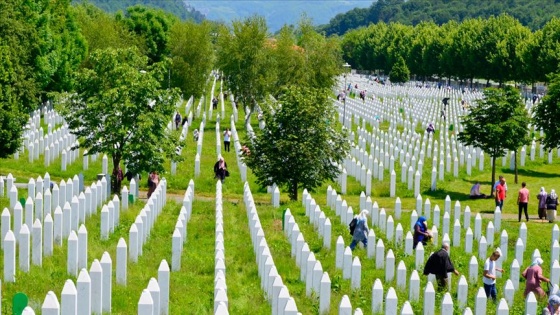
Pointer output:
531, 13
277, 13
177, 7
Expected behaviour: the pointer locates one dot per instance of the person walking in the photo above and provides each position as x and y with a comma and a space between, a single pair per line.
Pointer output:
177, 120
361, 230
439, 264
523, 201
542, 203
534, 277
214, 103
421, 232
220, 169
489, 275
227, 139
500, 194
551, 204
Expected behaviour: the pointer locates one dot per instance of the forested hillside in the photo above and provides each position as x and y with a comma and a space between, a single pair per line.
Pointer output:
277, 13
531, 13
177, 7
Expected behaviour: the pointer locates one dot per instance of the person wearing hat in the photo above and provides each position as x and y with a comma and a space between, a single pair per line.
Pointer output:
534, 276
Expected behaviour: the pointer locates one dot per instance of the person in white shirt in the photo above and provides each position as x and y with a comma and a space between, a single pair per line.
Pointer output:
227, 138
489, 275
475, 192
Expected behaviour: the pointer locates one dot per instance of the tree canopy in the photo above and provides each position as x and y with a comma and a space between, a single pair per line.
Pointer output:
40, 46
119, 108
243, 57
499, 48
153, 26
546, 113
531, 13
300, 144
400, 72
497, 123
192, 53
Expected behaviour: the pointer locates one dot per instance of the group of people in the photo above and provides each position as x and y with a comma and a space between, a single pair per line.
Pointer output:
547, 205
440, 265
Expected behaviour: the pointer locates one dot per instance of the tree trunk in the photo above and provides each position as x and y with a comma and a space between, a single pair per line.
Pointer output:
493, 175
116, 176
515, 164
293, 190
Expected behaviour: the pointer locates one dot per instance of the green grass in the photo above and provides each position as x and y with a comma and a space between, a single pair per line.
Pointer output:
192, 286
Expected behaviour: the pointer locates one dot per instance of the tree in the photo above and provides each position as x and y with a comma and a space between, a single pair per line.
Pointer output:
244, 58
288, 61
120, 109
400, 72
498, 122
546, 113
101, 30
323, 58
192, 53
153, 25
299, 145
40, 46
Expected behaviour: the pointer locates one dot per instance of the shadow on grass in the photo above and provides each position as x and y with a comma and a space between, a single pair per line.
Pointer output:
531, 173
442, 194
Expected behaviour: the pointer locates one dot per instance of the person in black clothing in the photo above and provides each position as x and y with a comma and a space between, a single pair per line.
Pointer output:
214, 103
440, 264
177, 120
220, 169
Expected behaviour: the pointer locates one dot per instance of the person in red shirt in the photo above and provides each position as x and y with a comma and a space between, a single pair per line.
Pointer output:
523, 200
500, 194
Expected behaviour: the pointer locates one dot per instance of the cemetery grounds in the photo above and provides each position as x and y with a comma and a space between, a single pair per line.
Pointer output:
192, 287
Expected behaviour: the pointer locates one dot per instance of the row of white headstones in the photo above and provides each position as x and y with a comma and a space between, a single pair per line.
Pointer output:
76, 209
385, 146
95, 286
316, 280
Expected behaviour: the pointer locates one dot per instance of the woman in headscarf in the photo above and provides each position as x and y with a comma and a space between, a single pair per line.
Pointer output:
542, 203
220, 169
421, 232
361, 230
534, 277
553, 307
551, 204
153, 181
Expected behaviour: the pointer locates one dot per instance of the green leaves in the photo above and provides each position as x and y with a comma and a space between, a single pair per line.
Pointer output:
298, 146
120, 109
498, 122
400, 72
546, 113
192, 52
